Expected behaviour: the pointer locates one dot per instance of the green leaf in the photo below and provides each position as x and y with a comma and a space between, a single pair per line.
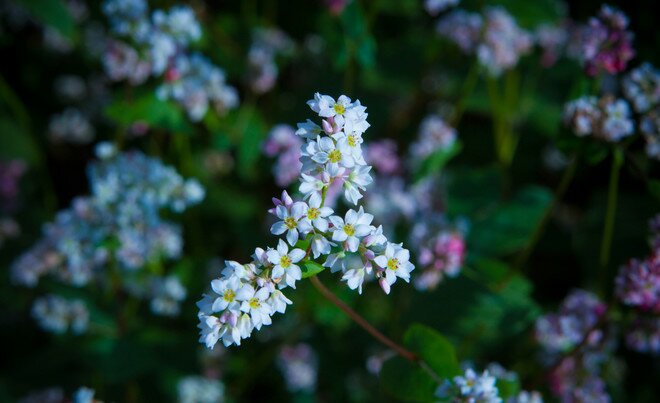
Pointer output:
508, 227
437, 160
407, 381
310, 269
654, 188
433, 348
16, 143
53, 13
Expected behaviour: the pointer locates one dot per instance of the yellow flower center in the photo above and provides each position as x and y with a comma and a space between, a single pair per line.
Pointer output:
334, 156
313, 213
339, 109
229, 295
349, 229
393, 264
285, 261
254, 303
290, 222
352, 140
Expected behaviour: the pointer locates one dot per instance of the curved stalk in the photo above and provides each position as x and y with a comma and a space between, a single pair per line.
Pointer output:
608, 229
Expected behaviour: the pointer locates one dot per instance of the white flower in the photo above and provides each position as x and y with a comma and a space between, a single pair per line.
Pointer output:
285, 263
376, 237
335, 261
395, 262
292, 222
254, 303
334, 155
355, 119
308, 130
243, 272
320, 245
354, 278
326, 106
353, 143
226, 289
311, 185
355, 226
356, 181
317, 215
278, 301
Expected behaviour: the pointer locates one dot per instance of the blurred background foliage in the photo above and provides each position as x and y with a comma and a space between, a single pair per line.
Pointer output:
386, 53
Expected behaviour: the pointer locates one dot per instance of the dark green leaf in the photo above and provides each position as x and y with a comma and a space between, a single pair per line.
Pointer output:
434, 349
310, 269
434, 163
53, 13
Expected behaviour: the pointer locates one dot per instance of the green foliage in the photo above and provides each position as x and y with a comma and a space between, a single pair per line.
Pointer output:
436, 161
149, 109
53, 13
311, 268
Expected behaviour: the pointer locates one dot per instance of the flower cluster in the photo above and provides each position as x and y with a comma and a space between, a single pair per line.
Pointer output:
494, 36
246, 295
604, 43
642, 88
441, 255
197, 389
160, 49
166, 295
383, 156
283, 143
607, 118
552, 40
267, 44
644, 335
484, 387
58, 315
119, 225
638, 284
579, 324
71, 126
299, 366
434, 135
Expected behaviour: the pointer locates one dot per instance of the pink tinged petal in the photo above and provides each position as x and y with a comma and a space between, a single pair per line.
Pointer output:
353, 243
282, 249
296, 255
384, 285
381, 261
291, 237
278, 228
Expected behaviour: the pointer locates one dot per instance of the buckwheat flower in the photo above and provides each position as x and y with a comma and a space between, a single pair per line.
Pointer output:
58, 315
122, 62
503, 41
356, 182
582, 115
308, 130
638, 284
226, 288
383, 156
168, 293
644, 335
352, 143
284, 263
316, 214
395, 263
605, 43
354, 278
198, 389
461, 27
552, 41
179, 22
293, 222
435, 7
642, 87
617, 123
440, 256
327, 107
278, 301
311, 185
72, 126
355, 121
355, 226
299, 366
470, 387
434, 134
649, 125
333, 154
285, 201
253, 302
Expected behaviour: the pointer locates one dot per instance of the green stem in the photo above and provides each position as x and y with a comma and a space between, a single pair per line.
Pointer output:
566, 179
608, 229
467, 89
